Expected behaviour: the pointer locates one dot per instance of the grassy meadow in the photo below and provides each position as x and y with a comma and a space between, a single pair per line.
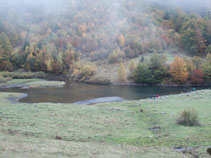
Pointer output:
131, 129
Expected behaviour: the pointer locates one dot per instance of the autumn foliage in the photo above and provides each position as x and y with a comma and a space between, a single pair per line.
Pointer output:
197, 76
178, 70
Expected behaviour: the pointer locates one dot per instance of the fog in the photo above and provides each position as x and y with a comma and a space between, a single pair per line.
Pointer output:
113, 7
59, 5
186, 3
106, 19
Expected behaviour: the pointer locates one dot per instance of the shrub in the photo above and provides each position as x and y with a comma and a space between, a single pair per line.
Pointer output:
131, 53
157, 61
188, 118
158, 67
142, 74
116, 56
152, 73
88, 70
197, 76
136, 47
82, 72
159, 75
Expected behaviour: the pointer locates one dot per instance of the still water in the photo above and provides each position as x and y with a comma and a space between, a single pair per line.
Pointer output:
71, 93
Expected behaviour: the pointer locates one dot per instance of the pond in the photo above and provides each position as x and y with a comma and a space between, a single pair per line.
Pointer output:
76, 92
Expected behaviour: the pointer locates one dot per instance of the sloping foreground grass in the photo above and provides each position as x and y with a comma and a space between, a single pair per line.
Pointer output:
113, 130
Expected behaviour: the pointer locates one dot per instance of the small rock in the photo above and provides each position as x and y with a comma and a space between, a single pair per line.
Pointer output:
141, 110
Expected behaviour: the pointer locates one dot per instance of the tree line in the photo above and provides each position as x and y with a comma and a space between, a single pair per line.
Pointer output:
180, 71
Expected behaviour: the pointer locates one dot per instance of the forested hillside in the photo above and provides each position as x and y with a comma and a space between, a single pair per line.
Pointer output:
72, 37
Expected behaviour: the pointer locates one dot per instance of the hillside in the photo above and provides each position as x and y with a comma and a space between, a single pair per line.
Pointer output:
81, 38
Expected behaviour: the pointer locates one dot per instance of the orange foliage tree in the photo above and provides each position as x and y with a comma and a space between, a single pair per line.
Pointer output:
178, 70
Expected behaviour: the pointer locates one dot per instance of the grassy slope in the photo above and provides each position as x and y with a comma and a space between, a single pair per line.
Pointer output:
105, 130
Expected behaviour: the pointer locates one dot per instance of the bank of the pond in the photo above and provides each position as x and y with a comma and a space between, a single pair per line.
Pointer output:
7, 76
111, 130
31, 83
40, 90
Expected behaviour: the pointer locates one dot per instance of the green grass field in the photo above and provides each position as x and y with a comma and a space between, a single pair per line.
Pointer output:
112, 130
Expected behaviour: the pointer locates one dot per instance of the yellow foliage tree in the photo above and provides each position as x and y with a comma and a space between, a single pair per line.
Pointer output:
122, 73
178, 70
121, 40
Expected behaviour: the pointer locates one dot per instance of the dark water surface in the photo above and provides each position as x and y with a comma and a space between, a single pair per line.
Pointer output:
71, 93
